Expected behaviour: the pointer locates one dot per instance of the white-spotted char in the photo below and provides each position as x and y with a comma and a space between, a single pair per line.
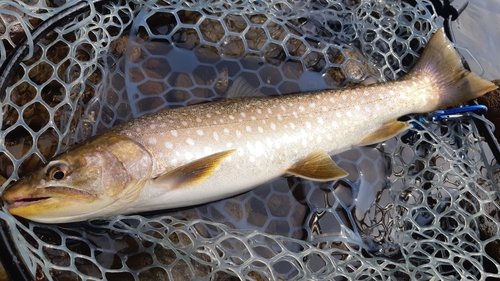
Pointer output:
196, 154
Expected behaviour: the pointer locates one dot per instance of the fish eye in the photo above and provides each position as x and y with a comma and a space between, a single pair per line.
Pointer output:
58, 175
58, 171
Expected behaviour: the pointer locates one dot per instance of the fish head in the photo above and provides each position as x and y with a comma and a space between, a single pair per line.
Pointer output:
92, 180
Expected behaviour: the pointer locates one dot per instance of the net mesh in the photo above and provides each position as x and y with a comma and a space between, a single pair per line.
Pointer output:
423, 205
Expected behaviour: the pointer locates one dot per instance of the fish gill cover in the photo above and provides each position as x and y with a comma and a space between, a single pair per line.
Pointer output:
420, 206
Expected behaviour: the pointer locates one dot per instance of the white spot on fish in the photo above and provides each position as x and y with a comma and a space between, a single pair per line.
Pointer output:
320, 121
308, 124
226, 130
243, 115
392, 93
163, 125
199, 132
229, 144
209, 115
277, 144
269, 111
356, 107
217, 112
207, 150
312, 105
329, 137
348, 113
260, 129
344, 97
190, 141
137, 129
174, 133
280, 117
338, 114
292, 126
301, 108
152, 141
152, 126
174, 161
231, 117
221, 120
283, 107
332, 100
269, 142
184, 123
251, 158
273, 126
188, 155
295, 114
249, 129
216, 136
238, 133
324, 108
366, 93
304, 142
259, 111
335, 124
319, 139
198, 119
168, 145
253, 118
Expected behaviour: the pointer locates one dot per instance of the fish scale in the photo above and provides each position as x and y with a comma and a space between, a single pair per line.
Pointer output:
197, 154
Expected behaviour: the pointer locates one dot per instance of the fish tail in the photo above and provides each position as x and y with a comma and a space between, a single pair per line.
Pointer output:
454, 83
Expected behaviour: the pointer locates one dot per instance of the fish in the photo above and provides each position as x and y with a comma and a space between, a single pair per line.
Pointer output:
205, 152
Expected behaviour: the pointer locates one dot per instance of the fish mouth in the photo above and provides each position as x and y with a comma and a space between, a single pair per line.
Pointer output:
22, 201
19, 198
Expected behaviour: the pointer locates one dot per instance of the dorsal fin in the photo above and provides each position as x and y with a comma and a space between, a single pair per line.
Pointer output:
193, 172
241, 89
317, 166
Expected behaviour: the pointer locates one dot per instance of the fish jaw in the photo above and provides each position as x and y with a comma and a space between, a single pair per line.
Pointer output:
28, 198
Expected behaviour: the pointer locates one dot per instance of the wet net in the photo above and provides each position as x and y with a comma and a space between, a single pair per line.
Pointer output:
423, 205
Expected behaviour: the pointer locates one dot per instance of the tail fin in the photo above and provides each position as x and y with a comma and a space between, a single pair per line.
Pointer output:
456, 84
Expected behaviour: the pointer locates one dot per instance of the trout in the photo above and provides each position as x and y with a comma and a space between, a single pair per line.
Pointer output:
200, 153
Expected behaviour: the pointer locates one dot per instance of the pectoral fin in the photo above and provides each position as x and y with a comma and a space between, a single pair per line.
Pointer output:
317, 166
385, 132
193, 172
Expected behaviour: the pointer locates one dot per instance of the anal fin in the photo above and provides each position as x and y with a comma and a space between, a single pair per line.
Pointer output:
193, 172
385, 132
317, 166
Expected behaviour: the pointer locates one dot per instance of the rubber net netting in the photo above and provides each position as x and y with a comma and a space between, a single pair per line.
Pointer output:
423, 205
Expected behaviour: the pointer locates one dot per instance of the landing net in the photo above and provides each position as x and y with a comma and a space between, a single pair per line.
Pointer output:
421, 206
